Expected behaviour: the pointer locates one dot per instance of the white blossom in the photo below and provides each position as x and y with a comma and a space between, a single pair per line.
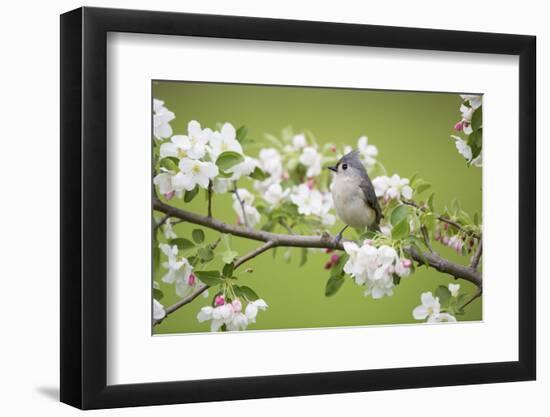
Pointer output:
462, 147
221, 185
224, 140
299, 141
179, 271
243, 169
192, 145
474, 100
253, 307
311, 159
158, 310
453, 289
231, 315
194, 172
441, 318
271, 162
312, 202
367, 152
161, 120
164, 181
168, 231
430, 306
392, 188
275, 194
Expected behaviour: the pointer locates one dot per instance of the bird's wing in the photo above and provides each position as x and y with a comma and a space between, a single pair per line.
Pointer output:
370, 198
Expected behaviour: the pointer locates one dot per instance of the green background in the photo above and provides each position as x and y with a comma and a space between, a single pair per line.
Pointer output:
411, 131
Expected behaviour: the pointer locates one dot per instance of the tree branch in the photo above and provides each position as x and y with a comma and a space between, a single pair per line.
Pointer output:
209, 191
444, 220
203, 287
325, 241
241, 202
477, 255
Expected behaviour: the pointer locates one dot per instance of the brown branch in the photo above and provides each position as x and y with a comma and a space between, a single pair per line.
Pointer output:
474, 297
325, 241
209, 191
444, 220
477, 255
266, 246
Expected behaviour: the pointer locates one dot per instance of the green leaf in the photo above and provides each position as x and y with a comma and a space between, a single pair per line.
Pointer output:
422, 186
190, 195
431, 202
303, 258
444, 295
241, 133
396, 279
206, 254
228, 270
333, 285
476, 218
398, 214
170, 163
210, 278
198, 235
157, 294
259, 174
477, 118
475, 141
400, 230
229, 256
228, 160
182, 243
247, 292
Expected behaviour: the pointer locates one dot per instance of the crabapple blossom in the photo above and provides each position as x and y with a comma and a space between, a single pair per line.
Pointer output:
430, 306
453, 289
192, 145
194, 172
271, 162
367, 152
403, 267
299, 141
231, 315
161, 120
168, 231
243, 169
224, 140
164, 181
311, 159
474, 100
313, 202
462, 147
179, 271
393, 187
158, 310
442, 318
275, 194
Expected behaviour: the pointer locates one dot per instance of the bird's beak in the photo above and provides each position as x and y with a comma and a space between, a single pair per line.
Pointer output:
333, 168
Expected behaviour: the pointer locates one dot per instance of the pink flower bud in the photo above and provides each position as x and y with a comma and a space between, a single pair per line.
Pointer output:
169, 195
333, 148
310, 183
237, 306
328, 265
445, 240
407, 263
459, 126
334, 258
192, 279
285, 176
219, 300
445, 226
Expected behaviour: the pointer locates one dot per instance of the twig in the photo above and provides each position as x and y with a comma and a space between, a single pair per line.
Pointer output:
444, 220
162, 221
203, 287
241, 202
286, 226
209, 191
426, 238
474, 297
477, 255
266, 246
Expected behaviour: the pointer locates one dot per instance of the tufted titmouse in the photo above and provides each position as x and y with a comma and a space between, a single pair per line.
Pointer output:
353, 194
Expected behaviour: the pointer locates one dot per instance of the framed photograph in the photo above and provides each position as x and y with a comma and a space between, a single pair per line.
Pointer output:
257, 208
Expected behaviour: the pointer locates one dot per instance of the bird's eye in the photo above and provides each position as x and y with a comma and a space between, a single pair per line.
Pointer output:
344, 166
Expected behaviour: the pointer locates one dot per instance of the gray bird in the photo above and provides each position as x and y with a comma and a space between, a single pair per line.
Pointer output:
353, 194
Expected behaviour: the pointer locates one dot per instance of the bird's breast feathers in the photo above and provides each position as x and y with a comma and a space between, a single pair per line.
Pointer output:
350, 203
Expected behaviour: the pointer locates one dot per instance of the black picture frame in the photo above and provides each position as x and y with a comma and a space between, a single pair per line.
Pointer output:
84, 207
